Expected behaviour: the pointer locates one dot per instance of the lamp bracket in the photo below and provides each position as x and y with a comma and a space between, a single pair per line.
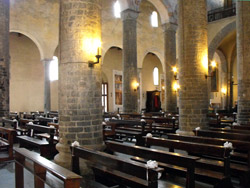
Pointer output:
92, 63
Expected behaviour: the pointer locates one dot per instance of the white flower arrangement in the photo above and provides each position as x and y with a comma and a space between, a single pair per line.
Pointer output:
152, 165
149, 135
75, 144
197, 128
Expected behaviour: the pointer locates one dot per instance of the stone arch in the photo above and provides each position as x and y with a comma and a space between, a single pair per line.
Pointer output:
162, 10
158, 4
153, 51
106, 48
30, 36
222, 60
219, 37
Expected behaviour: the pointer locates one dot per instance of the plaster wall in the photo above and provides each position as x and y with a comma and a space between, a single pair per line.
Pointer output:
26, 75
150, 62
215, 27
39, 20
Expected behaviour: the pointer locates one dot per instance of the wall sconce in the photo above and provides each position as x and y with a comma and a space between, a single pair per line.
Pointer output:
213, 65
176, 87
163, 87
224, 90
174, 69
135, 85
98, 56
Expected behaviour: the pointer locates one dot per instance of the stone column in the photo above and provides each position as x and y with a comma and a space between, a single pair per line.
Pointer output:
129, 59
80, 108
46, 64
4, 57
170, 61
243, 61
193, 64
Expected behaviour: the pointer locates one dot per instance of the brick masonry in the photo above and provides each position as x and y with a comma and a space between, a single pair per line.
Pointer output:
129, 60
4, 57
243, 60
170, 61
80, 109
192, 51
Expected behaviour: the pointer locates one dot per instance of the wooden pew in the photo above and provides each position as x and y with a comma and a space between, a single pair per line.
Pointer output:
113, 170
168, 160
237, 170
131, 128
208, 170
9, 123
28, 116
6, 142
163, 125
222, 134
229, 130
241, 127
22, 128
45, 171
44, 121
47, 148
47, 136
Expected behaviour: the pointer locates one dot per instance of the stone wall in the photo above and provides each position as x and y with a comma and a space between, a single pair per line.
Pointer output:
4, 58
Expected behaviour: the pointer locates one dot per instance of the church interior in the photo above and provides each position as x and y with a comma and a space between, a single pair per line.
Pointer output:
124, 93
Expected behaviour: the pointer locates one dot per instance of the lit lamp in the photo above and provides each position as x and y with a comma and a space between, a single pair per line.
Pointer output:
176, 86
135, 85
224, 90
213, 65
98, 56
163, 87
174, 69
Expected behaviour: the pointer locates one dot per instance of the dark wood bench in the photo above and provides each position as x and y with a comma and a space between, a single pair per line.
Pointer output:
46, 147
6, 143
131, 128
113, 170
47, 136
210, 171
229, 130
222, 134
45, 171
9, 123
44, 121
167, 160
242, 170
163, 125
241, 127
28, 116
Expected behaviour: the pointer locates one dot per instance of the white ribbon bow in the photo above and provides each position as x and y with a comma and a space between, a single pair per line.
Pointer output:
143, 120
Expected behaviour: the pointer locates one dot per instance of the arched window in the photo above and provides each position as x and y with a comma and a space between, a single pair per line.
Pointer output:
154, 19
53, 69
117, 9
156, 76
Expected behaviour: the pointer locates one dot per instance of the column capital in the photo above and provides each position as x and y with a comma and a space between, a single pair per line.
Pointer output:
46, 61
169, 26
129, 14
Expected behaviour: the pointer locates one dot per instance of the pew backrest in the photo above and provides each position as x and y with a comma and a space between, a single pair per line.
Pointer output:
39, 166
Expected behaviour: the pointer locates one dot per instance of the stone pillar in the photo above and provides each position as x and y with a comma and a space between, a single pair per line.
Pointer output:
4, 57
129, 59
243, 61
170, 61
46, 64
80, 108
193, 64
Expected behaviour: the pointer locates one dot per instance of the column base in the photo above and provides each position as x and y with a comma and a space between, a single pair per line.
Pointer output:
185, 133
63, 158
